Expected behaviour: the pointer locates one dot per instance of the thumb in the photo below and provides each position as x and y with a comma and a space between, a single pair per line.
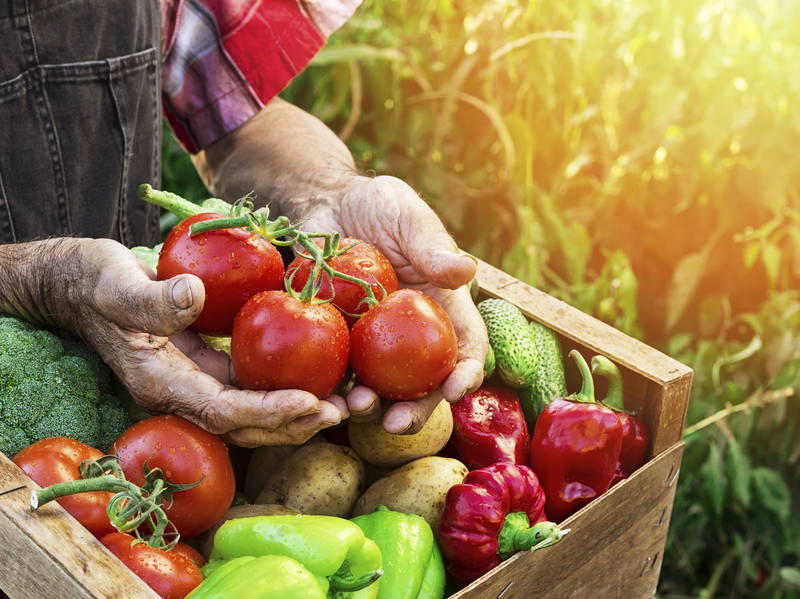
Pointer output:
157, 307
444, 268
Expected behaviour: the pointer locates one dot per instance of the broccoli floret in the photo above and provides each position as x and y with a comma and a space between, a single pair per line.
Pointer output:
116, 418
51, 386
23, 349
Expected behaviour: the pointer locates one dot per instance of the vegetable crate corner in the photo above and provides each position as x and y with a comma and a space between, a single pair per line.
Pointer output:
614, 547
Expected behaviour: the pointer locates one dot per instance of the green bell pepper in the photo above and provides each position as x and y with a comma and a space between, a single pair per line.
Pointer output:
264, 577
330, 548
412, 563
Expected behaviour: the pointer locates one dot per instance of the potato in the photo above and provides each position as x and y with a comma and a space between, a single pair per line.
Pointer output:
418, 487
380, 448
205, 541
262, 464
318, 478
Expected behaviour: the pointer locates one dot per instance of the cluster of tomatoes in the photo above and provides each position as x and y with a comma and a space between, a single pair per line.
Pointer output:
291, 333
186, 454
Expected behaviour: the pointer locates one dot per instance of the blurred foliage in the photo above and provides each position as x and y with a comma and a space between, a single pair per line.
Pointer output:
635, 158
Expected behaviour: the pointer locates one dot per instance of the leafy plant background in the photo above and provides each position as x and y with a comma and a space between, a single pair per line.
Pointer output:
638, 159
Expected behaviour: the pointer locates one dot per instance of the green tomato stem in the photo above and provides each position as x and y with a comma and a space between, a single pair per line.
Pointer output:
130, 507
234, 222
108, 482
180, 207
320, 257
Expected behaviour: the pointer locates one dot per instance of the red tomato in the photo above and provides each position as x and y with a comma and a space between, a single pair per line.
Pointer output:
186, 453
233, 264
404, 347
190, 552
169, 573
58, 459
363, 261
279, 342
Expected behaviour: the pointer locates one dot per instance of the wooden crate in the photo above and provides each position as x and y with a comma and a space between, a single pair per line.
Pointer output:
614, 547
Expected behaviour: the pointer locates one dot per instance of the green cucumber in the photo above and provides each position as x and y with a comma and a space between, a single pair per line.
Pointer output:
489, 364
551, 382
527, 355
516, 361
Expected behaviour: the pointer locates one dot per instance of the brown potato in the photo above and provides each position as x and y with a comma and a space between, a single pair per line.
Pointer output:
205, 541
380, 448
418, 487
262, 464
318, 478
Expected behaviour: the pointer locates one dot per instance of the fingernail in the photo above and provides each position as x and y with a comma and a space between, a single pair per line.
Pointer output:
182, 293
472, 258
407, 429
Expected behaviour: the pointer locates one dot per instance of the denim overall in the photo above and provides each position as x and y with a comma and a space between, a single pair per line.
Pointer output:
80, 118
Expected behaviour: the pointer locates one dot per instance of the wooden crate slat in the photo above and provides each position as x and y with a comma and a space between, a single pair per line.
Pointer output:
48, 554
614, 548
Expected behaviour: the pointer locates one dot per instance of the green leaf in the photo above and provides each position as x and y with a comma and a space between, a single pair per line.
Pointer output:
790, 576
787, 376
678, 343
750, 350
739, 471
733, 393
685, 280
771, 258
751, 255
332, 54
772, 492
714, 479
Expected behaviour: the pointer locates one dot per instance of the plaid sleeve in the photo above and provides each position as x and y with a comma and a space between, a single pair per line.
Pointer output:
224, 59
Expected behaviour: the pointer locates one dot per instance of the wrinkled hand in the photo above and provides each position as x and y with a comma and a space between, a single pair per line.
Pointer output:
387, 213
137, 325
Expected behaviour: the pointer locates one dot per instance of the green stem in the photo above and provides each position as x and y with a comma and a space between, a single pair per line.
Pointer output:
350, 583
320, 257
129, 507
518, 535
180, 207
108, 482
234, 222
605, 368
757, 400
586, 394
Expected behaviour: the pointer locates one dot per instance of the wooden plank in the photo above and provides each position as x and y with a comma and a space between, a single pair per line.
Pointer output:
48, 554
614, 548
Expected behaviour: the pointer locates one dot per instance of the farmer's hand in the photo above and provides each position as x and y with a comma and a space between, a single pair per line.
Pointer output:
97, 289
387, 213
292, 161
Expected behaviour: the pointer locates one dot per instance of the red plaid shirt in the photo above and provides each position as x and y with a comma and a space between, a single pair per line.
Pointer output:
224, 59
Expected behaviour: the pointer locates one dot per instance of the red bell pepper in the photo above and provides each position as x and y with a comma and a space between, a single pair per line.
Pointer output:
488, 517
575, 447
489, 426
635, 436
